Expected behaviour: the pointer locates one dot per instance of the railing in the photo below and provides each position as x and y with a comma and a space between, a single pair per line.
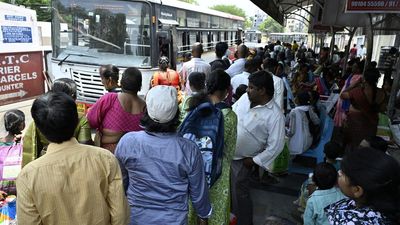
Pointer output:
134, 45
207, 46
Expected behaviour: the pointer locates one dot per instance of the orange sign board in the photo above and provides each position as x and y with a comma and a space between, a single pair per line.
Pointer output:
21, 76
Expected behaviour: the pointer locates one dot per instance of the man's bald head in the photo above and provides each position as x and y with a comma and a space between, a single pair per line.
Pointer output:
197, 50
242, 51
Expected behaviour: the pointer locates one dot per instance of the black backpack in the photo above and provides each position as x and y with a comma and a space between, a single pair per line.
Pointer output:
315, 130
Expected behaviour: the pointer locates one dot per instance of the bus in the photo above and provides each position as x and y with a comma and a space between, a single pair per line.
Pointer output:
90, 33
288, 37
253, 36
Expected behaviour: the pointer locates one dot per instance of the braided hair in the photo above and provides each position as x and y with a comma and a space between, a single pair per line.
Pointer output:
13, 120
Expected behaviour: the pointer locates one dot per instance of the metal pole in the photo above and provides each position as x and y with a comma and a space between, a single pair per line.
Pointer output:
332, 44
347, 49
370, 42
395, 88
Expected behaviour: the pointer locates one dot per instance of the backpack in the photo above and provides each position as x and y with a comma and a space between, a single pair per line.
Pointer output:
315, 130
205, 126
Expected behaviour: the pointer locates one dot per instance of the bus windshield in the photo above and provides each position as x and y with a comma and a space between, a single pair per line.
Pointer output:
102, 32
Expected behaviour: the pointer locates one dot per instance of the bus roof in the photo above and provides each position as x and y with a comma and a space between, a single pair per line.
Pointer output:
196, 8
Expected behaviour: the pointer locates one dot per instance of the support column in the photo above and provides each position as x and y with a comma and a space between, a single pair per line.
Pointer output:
370, 42
347, 49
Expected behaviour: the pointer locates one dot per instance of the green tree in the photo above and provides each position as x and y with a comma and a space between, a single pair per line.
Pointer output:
248, 23
42, 7
231, 9
194, 2
270, 25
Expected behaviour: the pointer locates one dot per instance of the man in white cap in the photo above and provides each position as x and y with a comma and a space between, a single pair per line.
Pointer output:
160, 169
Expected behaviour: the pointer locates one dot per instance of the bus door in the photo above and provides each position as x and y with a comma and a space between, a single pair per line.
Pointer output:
167, 44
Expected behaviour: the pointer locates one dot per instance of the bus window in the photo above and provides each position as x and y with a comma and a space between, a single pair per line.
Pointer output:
183, 41
164, 44
204, 39
113, 32
209, 40
192, 37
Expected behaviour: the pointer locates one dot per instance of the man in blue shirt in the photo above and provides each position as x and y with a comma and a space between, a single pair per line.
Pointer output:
160, 169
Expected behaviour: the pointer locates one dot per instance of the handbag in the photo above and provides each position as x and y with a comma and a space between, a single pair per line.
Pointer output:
10, 161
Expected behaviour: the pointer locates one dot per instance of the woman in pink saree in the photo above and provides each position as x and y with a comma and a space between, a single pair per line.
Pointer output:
115, 114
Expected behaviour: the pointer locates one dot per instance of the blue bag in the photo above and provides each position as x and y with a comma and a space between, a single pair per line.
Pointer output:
205, 126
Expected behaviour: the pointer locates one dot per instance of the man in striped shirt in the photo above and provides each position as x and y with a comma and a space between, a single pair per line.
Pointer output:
72, 183
196, 64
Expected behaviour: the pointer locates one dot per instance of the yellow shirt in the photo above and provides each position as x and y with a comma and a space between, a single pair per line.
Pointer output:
72, 184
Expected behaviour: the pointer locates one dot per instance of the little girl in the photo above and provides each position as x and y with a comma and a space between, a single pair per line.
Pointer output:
370, 179
14, 123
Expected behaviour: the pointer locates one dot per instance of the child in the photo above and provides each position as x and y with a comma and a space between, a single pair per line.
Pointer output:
240, 90
14, 123
325, 177
371, 180
332, 150
197, 81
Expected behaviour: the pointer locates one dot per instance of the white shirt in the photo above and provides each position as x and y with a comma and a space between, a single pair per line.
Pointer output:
236, 67
239, 79
279, 87
194, 65
278, 48
300, 137
363, 52
260, 131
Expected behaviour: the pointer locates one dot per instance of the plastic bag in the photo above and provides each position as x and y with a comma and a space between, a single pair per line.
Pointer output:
8, 212
281, 162
10, 161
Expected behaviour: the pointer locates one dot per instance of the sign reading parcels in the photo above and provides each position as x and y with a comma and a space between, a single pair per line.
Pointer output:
373, 6
20, 76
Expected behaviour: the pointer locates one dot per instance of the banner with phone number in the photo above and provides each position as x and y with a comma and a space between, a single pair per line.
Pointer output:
373, 6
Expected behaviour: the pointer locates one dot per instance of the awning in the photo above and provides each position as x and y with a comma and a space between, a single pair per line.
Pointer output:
269, 7
280, 9
168, 22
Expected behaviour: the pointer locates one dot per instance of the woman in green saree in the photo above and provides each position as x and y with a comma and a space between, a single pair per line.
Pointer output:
217, 88
35, 144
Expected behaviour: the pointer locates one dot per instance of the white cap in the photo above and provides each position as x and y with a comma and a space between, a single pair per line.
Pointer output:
162, 103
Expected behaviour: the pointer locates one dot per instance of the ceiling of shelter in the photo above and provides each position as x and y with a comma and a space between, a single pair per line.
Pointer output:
329, 13
280, 10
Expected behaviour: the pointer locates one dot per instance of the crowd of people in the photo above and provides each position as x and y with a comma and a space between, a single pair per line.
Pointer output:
186, 153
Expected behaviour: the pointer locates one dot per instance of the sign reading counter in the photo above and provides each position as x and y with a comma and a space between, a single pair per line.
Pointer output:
373, 6
20, 76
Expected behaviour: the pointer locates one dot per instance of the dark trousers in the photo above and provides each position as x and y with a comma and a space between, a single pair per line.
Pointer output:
242, 205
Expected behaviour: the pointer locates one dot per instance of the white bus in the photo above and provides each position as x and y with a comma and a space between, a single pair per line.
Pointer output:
90, 33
